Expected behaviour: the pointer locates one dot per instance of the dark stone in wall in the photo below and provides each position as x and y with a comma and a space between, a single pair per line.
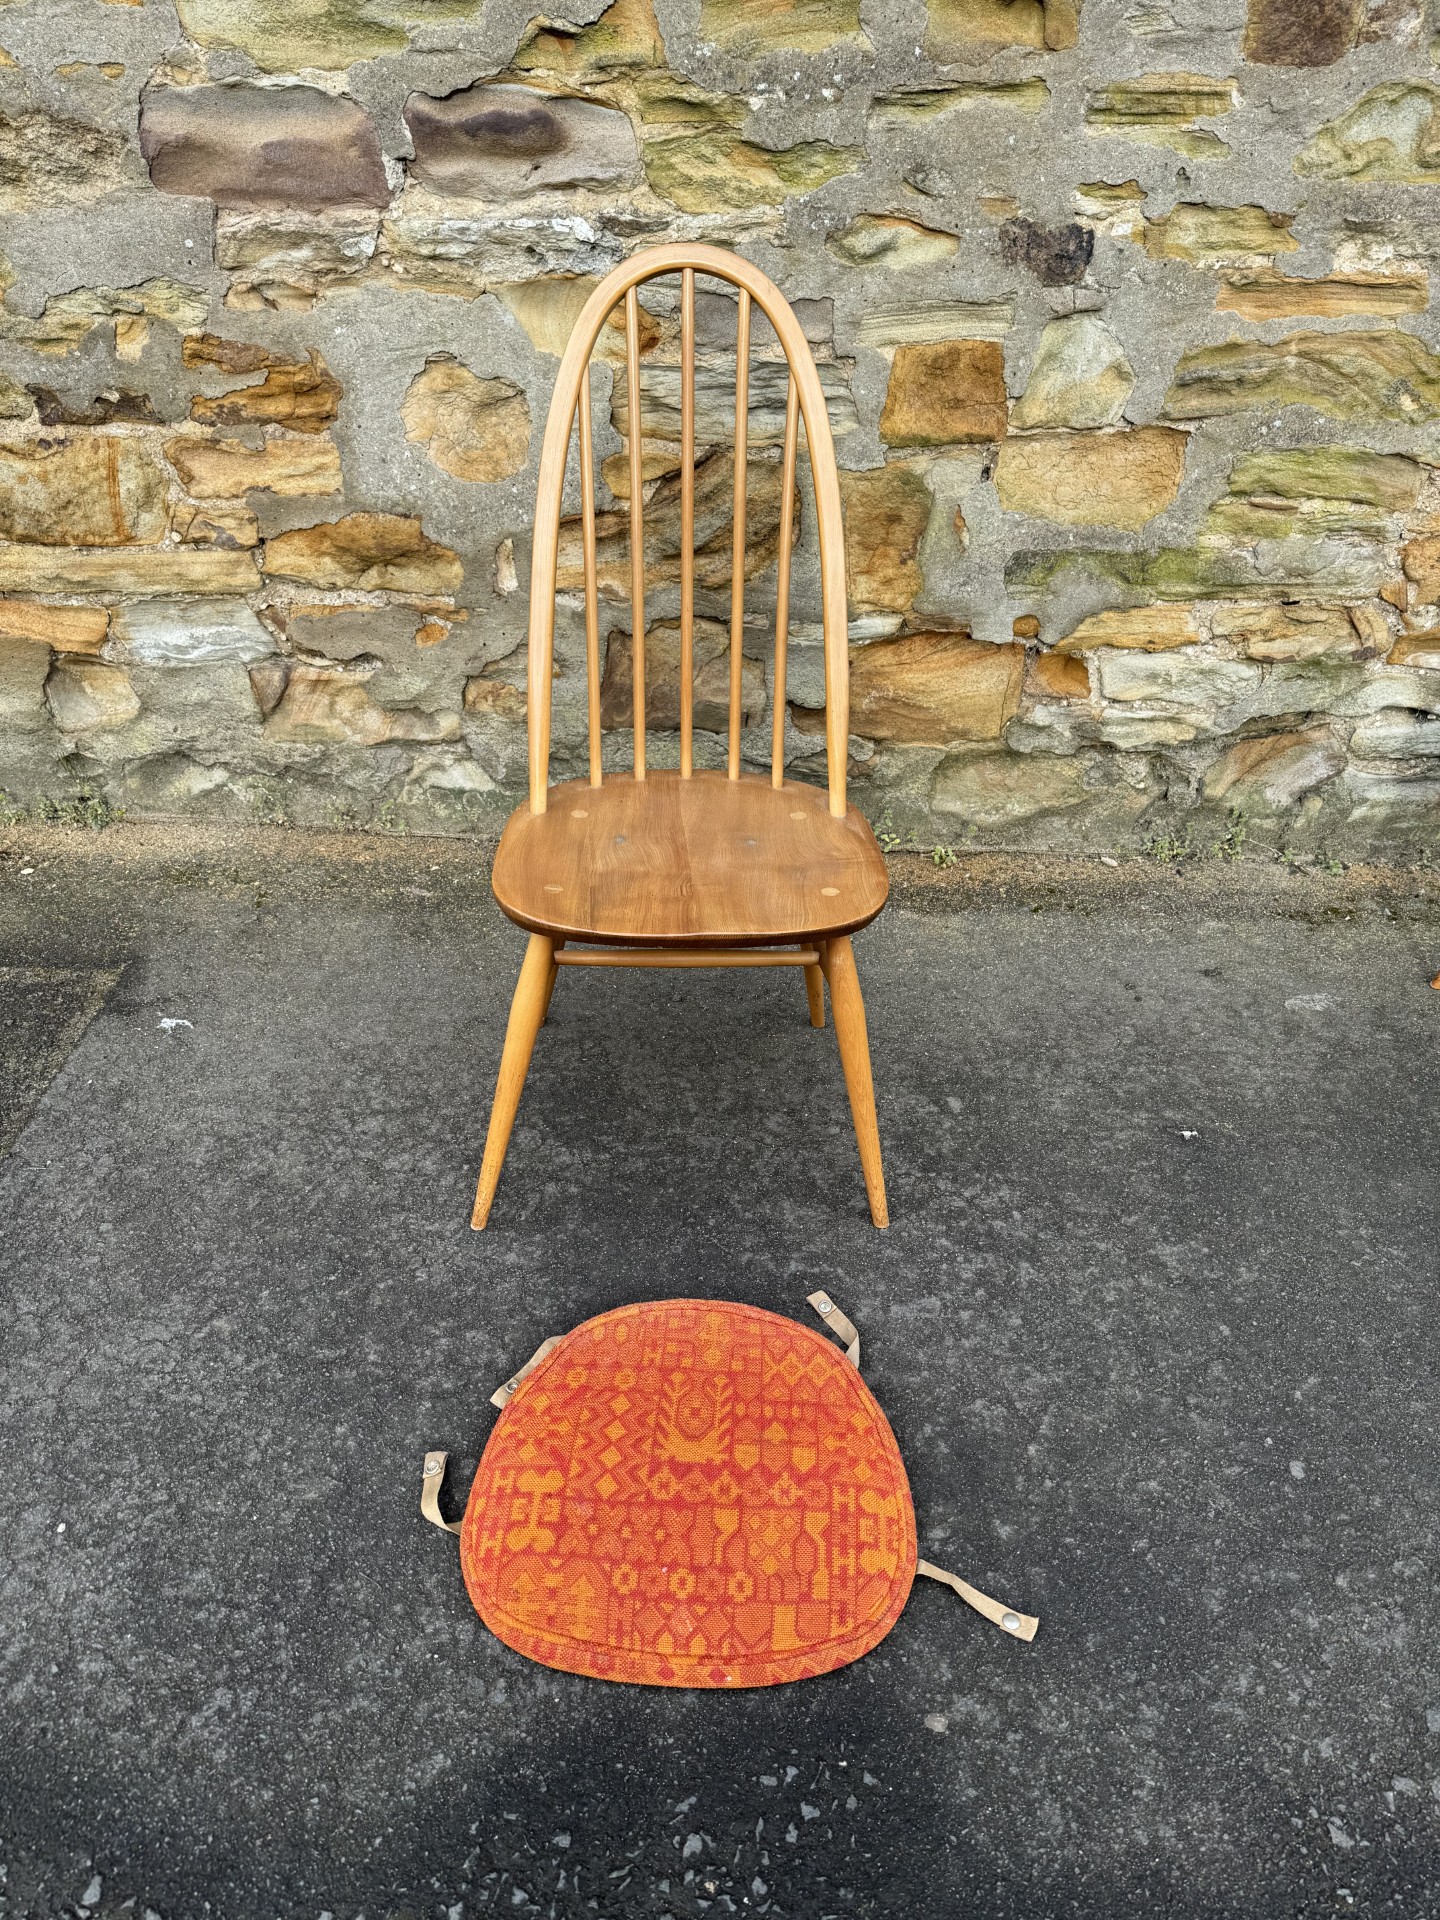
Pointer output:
1301, 33
1057, 256
130, 409
245, 146
496, 139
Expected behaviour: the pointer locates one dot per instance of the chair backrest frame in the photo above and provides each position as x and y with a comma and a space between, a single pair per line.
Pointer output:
804, 400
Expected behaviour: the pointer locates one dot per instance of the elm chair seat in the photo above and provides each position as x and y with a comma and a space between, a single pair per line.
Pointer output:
670, 861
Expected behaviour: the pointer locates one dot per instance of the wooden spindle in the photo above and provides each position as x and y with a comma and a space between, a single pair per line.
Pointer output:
737, 551
592, 597
782, 580
687, 522
637, 527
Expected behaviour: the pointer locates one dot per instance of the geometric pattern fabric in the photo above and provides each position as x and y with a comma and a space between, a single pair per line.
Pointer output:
691, 1494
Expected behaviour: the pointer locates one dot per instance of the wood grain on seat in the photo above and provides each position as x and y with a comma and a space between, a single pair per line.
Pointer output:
672, 860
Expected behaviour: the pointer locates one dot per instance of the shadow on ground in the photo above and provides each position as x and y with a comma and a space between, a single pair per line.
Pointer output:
1155, 1325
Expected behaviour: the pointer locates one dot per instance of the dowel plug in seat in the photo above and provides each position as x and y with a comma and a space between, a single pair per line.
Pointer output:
688, 868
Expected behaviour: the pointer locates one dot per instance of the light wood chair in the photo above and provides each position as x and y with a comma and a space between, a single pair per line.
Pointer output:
687, 868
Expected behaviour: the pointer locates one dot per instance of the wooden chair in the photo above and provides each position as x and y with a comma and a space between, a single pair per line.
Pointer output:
688, 869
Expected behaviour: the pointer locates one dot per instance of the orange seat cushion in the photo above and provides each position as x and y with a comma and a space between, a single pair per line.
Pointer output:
691, 1494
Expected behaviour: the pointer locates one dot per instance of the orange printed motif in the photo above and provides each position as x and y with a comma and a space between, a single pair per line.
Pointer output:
691, 1494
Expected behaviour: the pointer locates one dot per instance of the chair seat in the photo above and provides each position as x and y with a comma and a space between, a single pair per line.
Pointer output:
707, 859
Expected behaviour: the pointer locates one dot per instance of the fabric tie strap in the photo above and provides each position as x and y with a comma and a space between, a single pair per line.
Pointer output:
502, 1396
844, 1330
1020, 1626
430, 1492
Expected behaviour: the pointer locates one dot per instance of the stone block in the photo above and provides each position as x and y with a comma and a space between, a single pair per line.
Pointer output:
286, 258
1395, 734
302, 395
453, 246
1348, 689
500, 142
918, 106
368, 552
1080, 377
1351, 375
283, 37
1219, 236
24, 669
1315, 490
176, 633
1274, 770
1109, 479
1421, 649
889, 240
1288, 633
1300, 33
945, 393
328, 707
933, 689
994, 790
711, 682
85, 695
1266, 294
713, 170
65, 629
754, 27
1392, 133
957, 27
249, 146
1144, 629
1421, 559
928, 322
1057, 676
886, 513
485, 695
623, 39
67, 320
1319, 568
476, 429
117, 570
290, 465
81, 490
214, 526
1161, 109
1057, 256
1387, 481
50, 160
1186, 677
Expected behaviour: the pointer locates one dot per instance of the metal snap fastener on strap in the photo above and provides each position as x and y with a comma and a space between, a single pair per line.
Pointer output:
1023, 1626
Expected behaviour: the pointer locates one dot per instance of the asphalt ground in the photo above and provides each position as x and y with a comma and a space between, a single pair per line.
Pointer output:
1155, 1325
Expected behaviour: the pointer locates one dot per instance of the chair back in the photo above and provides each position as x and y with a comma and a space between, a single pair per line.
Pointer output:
571, 405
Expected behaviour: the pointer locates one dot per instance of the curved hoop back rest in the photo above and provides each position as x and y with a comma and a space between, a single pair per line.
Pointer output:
804, 400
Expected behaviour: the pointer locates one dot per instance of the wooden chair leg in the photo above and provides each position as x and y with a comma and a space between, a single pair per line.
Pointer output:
815, 994
527, 1011
550, 982
849, 1010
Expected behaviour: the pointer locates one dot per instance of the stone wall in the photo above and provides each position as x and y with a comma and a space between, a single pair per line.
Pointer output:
1122, 309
